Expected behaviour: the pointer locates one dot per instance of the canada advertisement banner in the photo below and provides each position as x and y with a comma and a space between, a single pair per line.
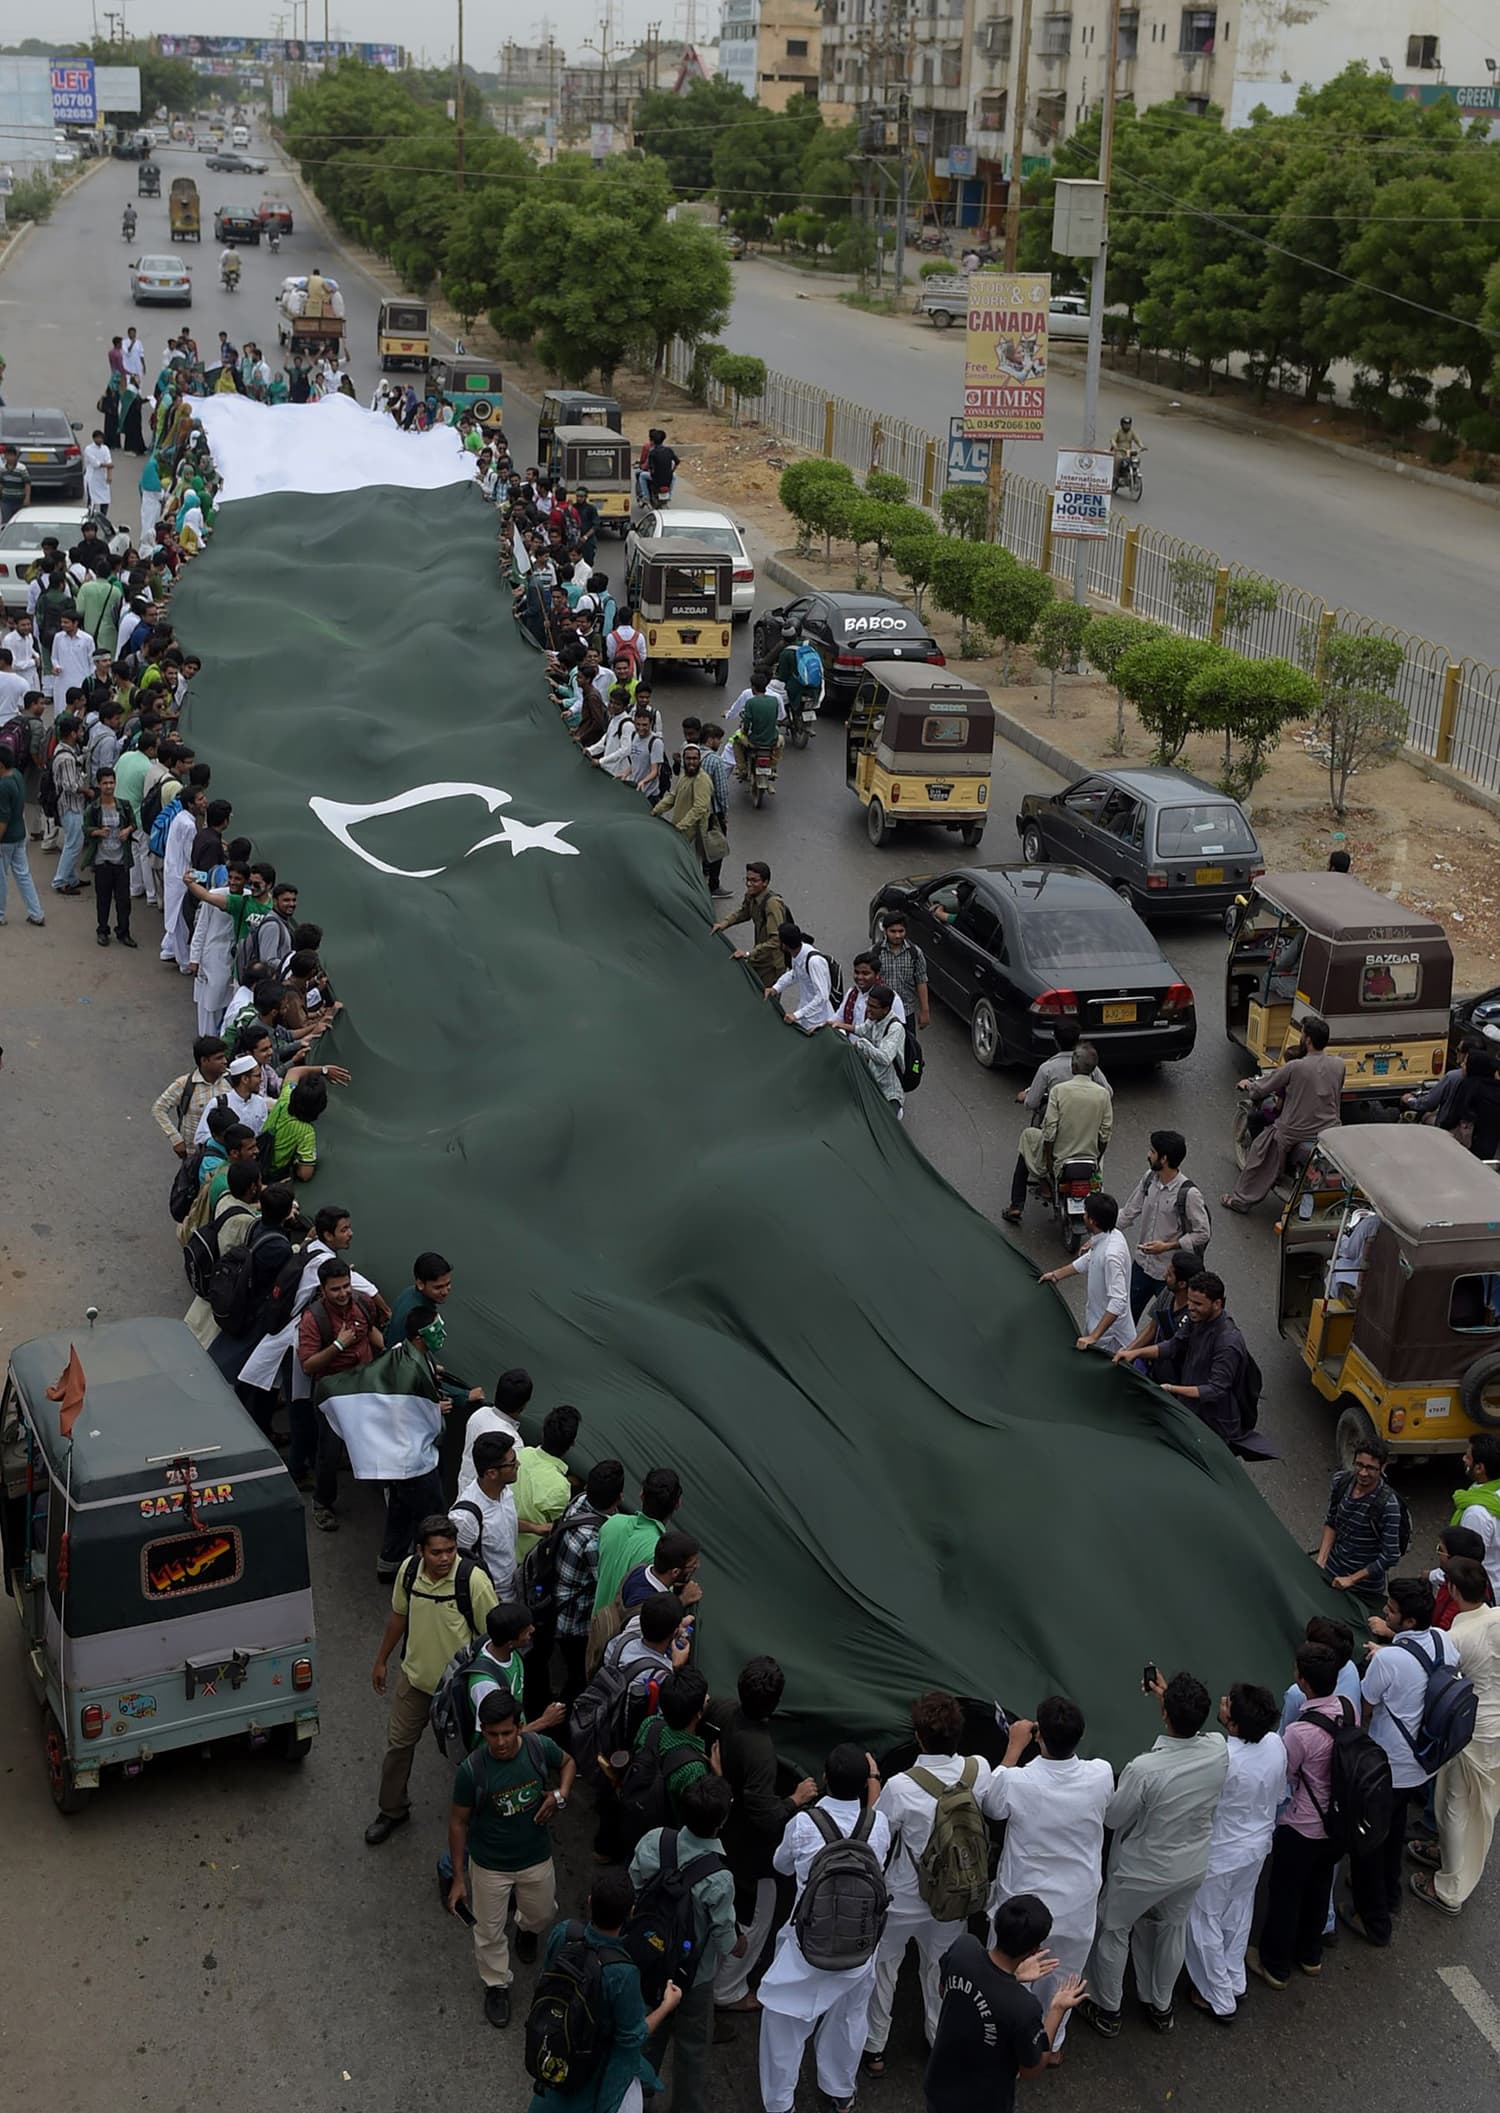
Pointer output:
1005, 356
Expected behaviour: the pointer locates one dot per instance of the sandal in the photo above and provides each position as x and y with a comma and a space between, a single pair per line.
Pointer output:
1427, 1854
1011, 1216
1241, 1210
1422, 1886
872, 2064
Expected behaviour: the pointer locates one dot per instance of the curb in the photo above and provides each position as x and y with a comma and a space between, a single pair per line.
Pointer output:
74, 183
16, 241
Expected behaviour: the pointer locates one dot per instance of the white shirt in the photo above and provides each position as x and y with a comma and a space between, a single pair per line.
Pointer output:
910, 1810
807, 978
1396, 1683
1246, 1816
1054, 1844
776, 690
135, 357
790, 1985
97, 461
1107, 1268
252, 1111
480, 1421
1483, 1522
13, 688
72, 661
22, 653
492, 1536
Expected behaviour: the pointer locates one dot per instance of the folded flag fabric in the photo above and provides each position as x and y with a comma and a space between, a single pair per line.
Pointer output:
387, 1414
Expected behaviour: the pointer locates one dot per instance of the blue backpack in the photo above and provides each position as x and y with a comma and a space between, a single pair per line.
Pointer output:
157, 841
809, 665
1449, 1709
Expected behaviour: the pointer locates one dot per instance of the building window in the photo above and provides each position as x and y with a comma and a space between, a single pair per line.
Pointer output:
1195, 105
1198, 27
951, 63
1130, 33
993, 109
995, 37
1423, 52
1051, 115
1057, 36
796, 47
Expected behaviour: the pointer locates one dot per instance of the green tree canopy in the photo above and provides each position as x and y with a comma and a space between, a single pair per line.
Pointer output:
680, 130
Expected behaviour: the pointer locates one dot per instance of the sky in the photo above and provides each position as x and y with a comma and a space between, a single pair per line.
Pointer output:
487, 23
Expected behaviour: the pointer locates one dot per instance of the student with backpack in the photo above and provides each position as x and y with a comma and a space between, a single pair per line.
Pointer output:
1420, 1711
439, 1602
588, 2025
239, 1285
683, 1926
823, 1973
939, 1875
1312, 1827
1171, 1213
501, 1810
669, 1756
1468, 1790
1367, 1528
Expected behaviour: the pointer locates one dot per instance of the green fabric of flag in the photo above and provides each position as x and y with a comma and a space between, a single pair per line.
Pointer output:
704, 1230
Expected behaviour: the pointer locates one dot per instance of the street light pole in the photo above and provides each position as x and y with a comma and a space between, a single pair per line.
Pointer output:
1096, 288
458, 103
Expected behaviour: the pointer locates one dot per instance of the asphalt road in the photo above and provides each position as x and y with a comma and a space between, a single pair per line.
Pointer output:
1362, 539
215, 1932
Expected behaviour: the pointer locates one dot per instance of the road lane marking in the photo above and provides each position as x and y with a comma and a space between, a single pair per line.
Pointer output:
1479, 2007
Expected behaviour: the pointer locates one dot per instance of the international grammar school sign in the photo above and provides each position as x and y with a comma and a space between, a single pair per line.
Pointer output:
73, 92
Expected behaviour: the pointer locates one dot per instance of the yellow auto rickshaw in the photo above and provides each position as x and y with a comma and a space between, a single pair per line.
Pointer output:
685, 601
402, 335
572, 407
1379, 974
1390, 1286
918, 747
182, 210
593, 459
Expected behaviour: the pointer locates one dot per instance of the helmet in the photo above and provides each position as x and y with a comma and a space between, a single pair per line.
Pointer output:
1125, 425
789, 632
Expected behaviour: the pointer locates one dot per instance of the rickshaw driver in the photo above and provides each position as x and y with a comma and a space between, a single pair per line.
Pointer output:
1310, 1086
1281, 979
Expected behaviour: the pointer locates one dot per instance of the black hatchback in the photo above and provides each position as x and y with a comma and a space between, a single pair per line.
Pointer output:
1014, 950
1162, 839
849, 631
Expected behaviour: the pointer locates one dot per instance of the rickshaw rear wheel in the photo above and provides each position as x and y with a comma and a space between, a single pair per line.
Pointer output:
879, 829
1353, 1430
721, 672
66, 1795
971, 833
1479, 1391
289, 1747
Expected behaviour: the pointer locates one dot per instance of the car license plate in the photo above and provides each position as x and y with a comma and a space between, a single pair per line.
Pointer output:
1117, 1015
689, 638
1208, 876
939, 792
36, 455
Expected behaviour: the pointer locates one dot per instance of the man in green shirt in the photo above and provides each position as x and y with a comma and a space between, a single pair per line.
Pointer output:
498, 1820
14, 864
543, 1491
630, 1537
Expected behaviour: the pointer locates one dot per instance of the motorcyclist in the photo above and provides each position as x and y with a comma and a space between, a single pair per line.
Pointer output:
758, 731
800, 696
661, 465
273, 237
127, 225
229, 267
1126, 446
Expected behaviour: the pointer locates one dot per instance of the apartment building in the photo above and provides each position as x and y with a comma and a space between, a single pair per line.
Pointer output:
772, 48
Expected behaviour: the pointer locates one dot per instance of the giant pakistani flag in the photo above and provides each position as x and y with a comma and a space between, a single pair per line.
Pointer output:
705, 1231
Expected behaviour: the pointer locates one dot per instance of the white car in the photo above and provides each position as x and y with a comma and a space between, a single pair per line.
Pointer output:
1068, 316
715, 530
164, 278
64, 154
21, 542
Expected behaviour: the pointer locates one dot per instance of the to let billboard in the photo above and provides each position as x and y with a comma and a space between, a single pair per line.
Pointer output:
1005, 356
73, 101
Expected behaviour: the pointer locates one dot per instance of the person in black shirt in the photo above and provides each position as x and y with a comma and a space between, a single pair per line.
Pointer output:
661, 464
991, 2029
1477, 1103
767, 1794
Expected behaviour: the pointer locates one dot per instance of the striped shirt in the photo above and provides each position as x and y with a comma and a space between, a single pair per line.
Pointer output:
1366, 1532
902, 971
718, 768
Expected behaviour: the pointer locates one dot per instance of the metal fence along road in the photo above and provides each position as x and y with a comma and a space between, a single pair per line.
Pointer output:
1453, 706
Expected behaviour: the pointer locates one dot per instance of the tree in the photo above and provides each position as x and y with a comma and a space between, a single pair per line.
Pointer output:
1157, 675
1009, 599
1360, 721
575, 286
796, 492
1251, 700
1105, 643
1060, 633
886, 486
912, 552
757, 163
953, 579
965, 511
742, 375
688, 287
826, 174
680, 130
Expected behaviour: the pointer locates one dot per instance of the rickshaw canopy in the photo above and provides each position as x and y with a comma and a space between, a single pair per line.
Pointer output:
674, 574
1337, 907
580, 407
1421, 1182
926, 711
591, 455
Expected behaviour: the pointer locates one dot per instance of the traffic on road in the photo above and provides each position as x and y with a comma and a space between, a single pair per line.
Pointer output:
326, 1530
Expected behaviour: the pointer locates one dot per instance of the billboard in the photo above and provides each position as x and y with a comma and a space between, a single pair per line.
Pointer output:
117, 88
73, 92
274, 51
1005, 356
1081, 492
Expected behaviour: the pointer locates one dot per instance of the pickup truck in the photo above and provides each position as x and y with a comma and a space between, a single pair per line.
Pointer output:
946, 301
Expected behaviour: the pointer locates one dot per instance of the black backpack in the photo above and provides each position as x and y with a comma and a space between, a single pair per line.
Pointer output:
841, 1912
1182, 1213
566, 2035
188, 1177
662, 1933
645, 1792
910, 1073
231, 1291
15, 739
151, 802
539, 1564
599, 1720
1449, 1708
200, 1254
281, 1300
1345, 1482
463, 1571
835, 975
1359, 1780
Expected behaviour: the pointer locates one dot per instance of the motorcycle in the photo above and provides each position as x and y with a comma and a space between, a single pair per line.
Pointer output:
127, 228
799, 723
1072, 1185
274, 241
761, 773
1130, 486
229, 280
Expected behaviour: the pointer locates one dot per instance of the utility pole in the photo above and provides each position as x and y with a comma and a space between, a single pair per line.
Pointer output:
1020, 72
458, 103
1096, 288
903, 141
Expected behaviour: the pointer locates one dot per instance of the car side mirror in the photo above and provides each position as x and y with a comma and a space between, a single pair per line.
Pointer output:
76, 424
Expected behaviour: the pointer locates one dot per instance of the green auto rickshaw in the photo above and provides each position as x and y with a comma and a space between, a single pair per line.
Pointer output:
156, 1558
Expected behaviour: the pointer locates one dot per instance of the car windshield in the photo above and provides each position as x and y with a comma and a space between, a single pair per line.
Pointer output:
28, 534
163, 264
34, 425
1201, 832
711, 538
1086, 934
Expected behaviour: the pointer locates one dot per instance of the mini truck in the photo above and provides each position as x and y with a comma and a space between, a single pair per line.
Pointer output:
156, 1558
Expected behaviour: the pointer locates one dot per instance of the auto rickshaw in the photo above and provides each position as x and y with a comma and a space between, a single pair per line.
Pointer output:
156, 1557
148, 180
685, 600
1379, 974
918, 746
182, 209
1390, 1286
601, 460
572, 407
470, 385
402, 334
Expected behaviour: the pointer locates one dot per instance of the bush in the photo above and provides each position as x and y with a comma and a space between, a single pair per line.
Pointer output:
886, 486
701, 372
1442, 449
1251, 700
31, 199
1157, 676
965, 511
802, 493
1010, 599
1359, 717
912, 553
742, 375
1060, 633
1105, 642
953, 574
936, 268
1480, 432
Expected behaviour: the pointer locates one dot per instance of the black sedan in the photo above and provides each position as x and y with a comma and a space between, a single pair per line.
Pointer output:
237, 223
1016, 949
849, 631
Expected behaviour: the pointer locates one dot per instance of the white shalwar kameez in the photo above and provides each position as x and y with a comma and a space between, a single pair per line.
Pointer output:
1218, 1927
1054, 1848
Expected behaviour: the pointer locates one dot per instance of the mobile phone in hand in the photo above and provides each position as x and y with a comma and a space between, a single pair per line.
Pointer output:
1149, 1677
465, 1913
